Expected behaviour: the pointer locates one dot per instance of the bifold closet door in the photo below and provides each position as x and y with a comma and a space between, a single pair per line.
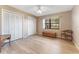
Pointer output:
12, 26
20, 26
31, 26
25, 27
0, 23
8, 24
34, 25
16, 26
5, 23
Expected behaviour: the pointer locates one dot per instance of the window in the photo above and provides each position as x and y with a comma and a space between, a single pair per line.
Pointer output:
52, 23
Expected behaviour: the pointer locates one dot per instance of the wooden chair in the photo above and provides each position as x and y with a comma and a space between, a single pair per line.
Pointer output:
3, 38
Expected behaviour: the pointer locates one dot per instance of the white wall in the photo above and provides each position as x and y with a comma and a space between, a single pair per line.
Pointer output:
75, 25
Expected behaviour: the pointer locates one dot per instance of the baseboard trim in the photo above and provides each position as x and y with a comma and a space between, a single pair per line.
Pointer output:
77, 46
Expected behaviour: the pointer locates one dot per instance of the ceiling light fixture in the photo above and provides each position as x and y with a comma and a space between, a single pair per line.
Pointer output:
39, 11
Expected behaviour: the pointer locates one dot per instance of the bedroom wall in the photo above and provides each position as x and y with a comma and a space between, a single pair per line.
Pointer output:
65, 22
75, 25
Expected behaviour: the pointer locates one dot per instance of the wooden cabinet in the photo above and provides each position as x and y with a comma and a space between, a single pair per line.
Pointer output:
67, 35
49, 34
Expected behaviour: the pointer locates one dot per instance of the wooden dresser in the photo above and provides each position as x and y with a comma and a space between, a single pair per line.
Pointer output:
49, 34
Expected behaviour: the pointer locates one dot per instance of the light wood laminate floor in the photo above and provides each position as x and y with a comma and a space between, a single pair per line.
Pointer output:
40, 45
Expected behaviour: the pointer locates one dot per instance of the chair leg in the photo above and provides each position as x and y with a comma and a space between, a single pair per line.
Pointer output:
9, 42
0, 46
0, 49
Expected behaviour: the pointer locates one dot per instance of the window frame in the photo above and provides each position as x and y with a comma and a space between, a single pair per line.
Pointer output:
50, 23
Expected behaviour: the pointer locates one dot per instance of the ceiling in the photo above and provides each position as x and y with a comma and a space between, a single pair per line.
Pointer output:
50, 9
